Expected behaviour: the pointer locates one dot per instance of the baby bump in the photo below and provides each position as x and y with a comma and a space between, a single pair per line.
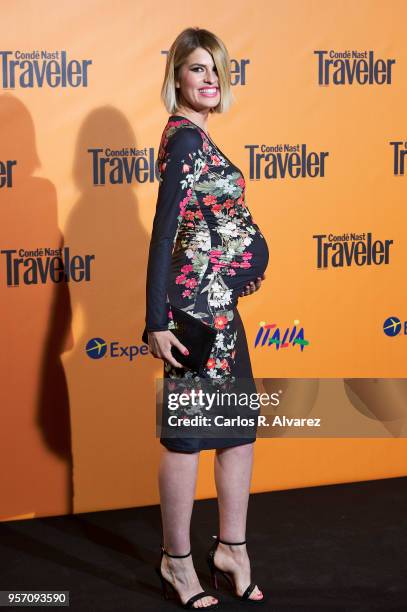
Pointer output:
252, 264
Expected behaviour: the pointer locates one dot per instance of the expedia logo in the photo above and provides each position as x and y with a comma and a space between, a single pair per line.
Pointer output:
97, 348
42, 69
285, 161
41, 265
393, 326
124, 166
350, 67
344, 250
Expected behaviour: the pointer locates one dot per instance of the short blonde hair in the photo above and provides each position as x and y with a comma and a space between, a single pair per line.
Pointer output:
186, 42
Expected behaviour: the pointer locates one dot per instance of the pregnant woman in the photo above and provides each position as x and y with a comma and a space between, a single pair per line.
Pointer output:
205, 252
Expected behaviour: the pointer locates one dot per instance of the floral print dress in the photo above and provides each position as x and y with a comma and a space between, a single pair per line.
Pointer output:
205, 248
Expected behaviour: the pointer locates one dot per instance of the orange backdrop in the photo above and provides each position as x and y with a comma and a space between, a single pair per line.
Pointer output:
78, 433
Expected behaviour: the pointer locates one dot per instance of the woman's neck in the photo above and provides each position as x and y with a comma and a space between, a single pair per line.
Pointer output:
199, 119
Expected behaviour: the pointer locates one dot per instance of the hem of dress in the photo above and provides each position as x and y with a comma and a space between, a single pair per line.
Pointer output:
224, 443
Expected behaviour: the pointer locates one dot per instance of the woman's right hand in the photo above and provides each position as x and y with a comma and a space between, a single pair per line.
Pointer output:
253, 286
160, 343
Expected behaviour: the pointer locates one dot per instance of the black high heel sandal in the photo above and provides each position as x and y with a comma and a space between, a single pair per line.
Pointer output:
228, 575
164, 584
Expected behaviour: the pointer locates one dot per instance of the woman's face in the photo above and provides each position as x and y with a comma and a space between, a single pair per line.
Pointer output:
198, 81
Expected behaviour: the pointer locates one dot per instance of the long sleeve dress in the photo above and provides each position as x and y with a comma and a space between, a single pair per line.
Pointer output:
205, 248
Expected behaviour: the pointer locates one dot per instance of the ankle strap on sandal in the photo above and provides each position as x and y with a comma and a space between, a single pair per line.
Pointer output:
230, 543
164, 552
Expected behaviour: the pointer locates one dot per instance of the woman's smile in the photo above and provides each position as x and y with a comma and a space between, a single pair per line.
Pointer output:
209, 92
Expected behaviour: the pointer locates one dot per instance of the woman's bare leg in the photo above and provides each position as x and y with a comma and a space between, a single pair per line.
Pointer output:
177, 484
233, 472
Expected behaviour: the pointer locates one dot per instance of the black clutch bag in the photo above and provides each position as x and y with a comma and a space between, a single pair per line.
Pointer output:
195, 335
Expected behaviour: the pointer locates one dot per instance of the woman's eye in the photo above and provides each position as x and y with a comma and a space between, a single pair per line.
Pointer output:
200, 68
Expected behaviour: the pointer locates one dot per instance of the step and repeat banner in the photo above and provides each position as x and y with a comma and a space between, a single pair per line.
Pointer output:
319, 129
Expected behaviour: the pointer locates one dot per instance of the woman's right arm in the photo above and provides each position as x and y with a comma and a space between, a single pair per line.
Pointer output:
173, 189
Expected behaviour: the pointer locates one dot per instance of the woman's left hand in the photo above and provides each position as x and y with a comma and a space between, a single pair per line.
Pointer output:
253, 286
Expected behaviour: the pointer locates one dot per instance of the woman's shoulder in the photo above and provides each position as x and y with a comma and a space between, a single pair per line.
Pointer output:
181, 133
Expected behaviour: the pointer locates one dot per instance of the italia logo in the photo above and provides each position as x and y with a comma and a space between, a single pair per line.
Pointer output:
270, 335
352, 67
393, 326
37, 69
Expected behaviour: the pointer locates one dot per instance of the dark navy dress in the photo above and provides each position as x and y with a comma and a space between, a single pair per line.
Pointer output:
205, 248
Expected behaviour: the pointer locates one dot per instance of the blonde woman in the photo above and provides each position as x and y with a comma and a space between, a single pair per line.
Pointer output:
205, 253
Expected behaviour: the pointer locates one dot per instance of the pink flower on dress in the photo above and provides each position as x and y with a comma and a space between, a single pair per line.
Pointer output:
210, 363
224, 364
185, 168
241, 182
180, 280
175, 123
215, 252
247, 255
208, 200
187, 268
215, 160
186, 293
191, 283
220, 322
216, 208
245, 264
